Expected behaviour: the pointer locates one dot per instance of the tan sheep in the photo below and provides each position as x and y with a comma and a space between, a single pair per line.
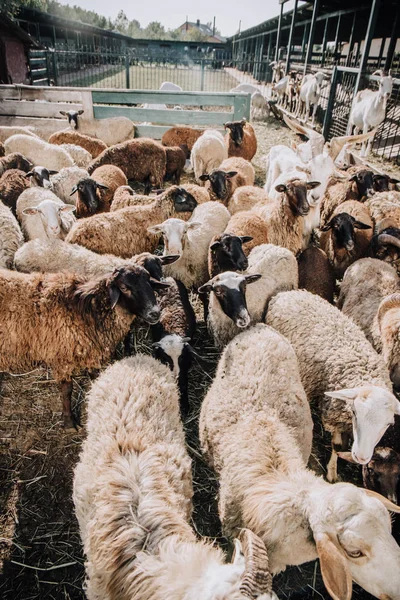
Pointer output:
181, 136
93, 145
247, 223
246, 197
231, 174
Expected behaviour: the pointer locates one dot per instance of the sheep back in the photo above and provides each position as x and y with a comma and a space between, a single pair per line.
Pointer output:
245, 197
316, 274
248, 147
39, 152
93, 145
248, 223
11, 237
111, 176
12, 183
181, 136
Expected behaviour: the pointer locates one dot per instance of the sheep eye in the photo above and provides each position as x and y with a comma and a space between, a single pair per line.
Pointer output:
355, 554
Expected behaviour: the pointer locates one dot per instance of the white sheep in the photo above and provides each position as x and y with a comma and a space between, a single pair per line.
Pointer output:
7, 131
234, 306
65, 180
79, 155
39, 152
256, 430
113, 130
43, 215
191, 240
208, 152
11, 237
339, 369
133, 493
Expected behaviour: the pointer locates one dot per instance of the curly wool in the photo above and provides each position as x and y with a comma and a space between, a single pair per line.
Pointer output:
79, 155
139, 159
176, 160
248, 223
93, 145
246, 197
11, 237
41, 153
247, 148
63, 182
284, 228
12, 183
15, 160
181, 136
385, 205
333, 352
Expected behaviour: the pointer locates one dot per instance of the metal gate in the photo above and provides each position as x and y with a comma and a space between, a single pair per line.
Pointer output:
341, 95
38, 67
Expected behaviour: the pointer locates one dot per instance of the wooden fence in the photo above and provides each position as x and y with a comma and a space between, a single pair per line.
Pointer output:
40, 107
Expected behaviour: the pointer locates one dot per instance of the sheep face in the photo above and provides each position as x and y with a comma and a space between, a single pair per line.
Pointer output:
228, 252
88, 194
352, 532
183, 200
219, 182
40, 176
230, 290
153, 264
296, 191
174, 232
72, 116
236, 131
386, 245
175, 352
364, 183
382, 183
342, 227
373, 409
51, 215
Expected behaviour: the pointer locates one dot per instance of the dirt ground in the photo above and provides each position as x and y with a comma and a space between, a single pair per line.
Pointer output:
40, 551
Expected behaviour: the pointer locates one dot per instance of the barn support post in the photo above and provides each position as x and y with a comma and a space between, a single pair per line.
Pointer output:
381, 49
393, 40
331, 102
268, 57
351, 40
337, 35
55, 67
278, 35
368, 39
290, 42
202, 76
127, 82
324, 41
304, 41
311, 35
54, 37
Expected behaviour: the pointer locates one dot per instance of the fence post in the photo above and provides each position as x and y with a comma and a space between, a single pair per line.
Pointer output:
241, 106
331, 101
202, 76
127, 83
55, 67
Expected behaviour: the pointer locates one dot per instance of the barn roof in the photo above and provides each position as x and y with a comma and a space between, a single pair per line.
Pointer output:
17, 31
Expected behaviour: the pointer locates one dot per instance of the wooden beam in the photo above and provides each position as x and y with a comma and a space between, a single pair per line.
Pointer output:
278, 35
393, 40
351, 40
164, 117
368, 39
290, 42
311, 35
381, 49
337, 34
324, 41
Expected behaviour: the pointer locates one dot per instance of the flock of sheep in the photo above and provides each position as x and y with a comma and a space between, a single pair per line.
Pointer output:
79, 270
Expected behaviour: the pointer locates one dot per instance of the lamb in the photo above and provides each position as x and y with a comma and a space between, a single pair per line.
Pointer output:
142, 160
259, 105
225, 253
316, 273
111, 131
340, 370
359, 186
12, 183
310, 92
234, 307
125, 232
176, 160
248, 224
95, 194
133, 499
43, 215
241, 139
70, 324
284, 217
191, 241
256, 430
57, 255
39, 152
81, 157
11, 237
224, 180
172, 334
93, 145
178, 136
347, 236
208, 152
65, 180
15, 160
246, 197
8, 131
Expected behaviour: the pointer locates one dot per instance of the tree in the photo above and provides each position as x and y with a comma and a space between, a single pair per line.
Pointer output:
195, 35
134, 29
11, 7
155, 31
121, 23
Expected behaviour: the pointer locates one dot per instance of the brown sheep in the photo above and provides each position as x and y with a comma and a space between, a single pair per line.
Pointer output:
68, 324
249, 224
181, 136
347, 236
12, 183
356, 184
316, 273
231, 174
15, 160
176, 159
241, 139
125, 196
245, 197
125, 232
96, 193
93, 145
142, 160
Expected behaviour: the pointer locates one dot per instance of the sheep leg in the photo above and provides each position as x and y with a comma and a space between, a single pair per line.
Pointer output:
147, 186
314, 113
70, 423
364, 148
337, 443
204, 300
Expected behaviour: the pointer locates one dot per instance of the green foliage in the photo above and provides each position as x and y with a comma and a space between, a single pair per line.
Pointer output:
11, 7
194, 35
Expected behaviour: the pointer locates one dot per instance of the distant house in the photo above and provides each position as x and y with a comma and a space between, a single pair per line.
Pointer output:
205, 29
14, 50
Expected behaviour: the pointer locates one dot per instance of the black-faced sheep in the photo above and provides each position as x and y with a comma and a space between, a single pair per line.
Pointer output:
241, 139
248, 224
225, 253
95, 193
232, 173
15, 160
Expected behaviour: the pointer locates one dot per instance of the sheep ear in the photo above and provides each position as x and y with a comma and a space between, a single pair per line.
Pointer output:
155, 229
204, 177
215, 245
169, 259
385, 501
205, 289
252, 278
245, 238
280, 188
326, 227
194, 225
360, 225
67, 208
30, 174
63, 113
394, 180
231, 174
51, 172
353, 177
80, 112
159, 285
74, 190
312, 184
349, 394
334, 569
30, 211
114, 293
102, 187
347, 456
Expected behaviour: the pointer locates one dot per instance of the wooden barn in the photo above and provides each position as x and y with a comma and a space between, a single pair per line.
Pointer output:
14, 52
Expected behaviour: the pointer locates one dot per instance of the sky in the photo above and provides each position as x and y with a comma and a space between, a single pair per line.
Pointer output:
172, 13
